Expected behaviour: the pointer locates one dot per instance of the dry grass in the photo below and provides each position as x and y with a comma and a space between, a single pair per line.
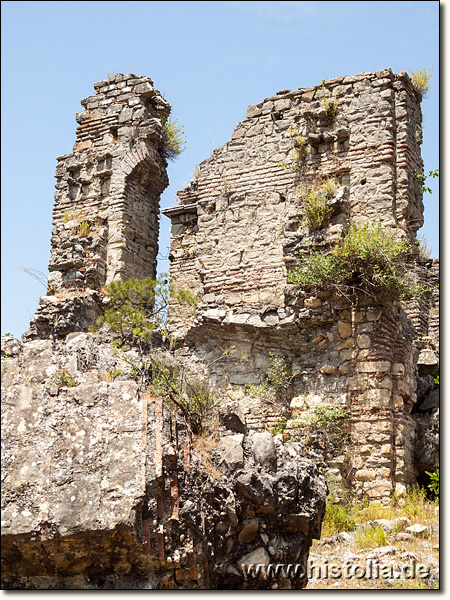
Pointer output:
343, 517
420, 80
203, 444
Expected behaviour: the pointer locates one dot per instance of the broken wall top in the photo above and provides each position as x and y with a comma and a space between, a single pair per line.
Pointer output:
239, 225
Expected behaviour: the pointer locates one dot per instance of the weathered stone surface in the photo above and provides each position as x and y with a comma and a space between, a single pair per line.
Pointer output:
102, 488
248, 231
264, 450
417, 529
231, 453
80, 430
105, 217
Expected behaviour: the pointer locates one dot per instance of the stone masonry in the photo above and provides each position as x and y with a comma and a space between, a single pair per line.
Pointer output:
105, 487
104, 484
106, 211
238, 229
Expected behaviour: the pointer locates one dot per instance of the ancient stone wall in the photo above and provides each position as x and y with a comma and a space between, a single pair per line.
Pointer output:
105, 487
106, 211
239, 228
239, 222
104, 484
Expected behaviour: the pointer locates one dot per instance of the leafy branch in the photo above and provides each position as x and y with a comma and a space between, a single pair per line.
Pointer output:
421, 178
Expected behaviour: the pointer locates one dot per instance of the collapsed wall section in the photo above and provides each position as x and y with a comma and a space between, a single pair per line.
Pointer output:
106, 210
105, 487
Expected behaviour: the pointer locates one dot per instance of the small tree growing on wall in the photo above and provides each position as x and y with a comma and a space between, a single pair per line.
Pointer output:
138, 307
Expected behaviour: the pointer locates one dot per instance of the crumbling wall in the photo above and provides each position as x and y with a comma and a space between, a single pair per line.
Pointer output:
103, 486
239, 228
239, 222
106, 210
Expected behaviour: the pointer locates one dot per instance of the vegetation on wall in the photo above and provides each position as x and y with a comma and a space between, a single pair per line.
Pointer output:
328, 103
421, 179
194, 396
277, 380
316, 208
369, 260
420, 79
172, 140
139, 306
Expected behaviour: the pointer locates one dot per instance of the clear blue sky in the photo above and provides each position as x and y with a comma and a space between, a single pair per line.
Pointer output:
210, 59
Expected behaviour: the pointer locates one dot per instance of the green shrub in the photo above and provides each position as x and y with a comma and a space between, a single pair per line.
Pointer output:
279, 427
416, 505
421, 179
424, 250
371, 537
433, 486
63, 378
315, 205
368, 260
84, 229
329, 104
279, 374
300, 152
261, 390
331, 417
139, 306
172, 141
278, 378
338, 517
192, 395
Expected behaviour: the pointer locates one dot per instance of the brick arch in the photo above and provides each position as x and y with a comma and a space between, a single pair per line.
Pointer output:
136, 186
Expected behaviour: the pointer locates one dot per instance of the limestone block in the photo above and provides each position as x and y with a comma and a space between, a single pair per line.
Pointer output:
358, 382
378, 396
249, 531
346, 368
427, 357
260, 556
214, 315
386, 450
349, 355
418, 530
253, 111
145, 89
373, 367
328, 369
264, 449
365, 475
373, 314
398, 369
387, 383
346, 344
283, 104
363, 341
230, 453
345, 329
378, 488
313, 302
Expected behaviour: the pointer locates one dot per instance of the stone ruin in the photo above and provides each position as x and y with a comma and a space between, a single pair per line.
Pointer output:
106, 211
104, 486
237, 231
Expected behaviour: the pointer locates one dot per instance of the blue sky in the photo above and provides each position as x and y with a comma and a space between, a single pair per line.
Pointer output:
210, 60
